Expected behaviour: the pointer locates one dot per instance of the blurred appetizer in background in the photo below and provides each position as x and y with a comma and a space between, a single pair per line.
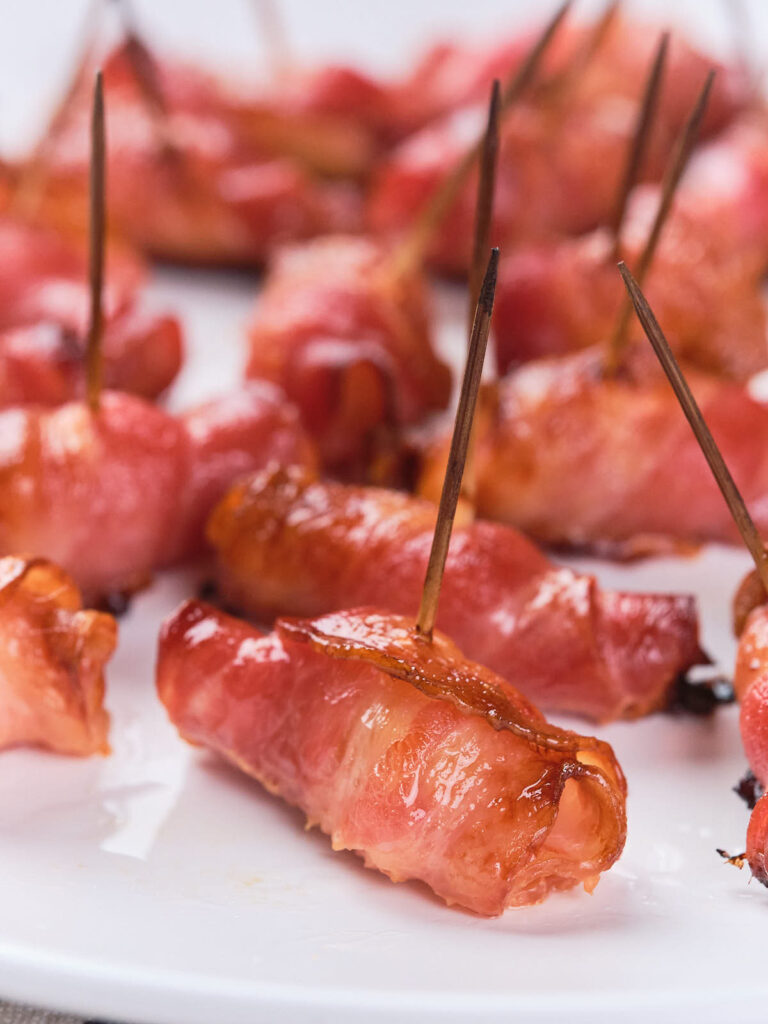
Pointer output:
562, 151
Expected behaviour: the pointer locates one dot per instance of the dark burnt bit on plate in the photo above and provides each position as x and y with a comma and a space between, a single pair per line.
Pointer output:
749, 788
699, 692
116, 602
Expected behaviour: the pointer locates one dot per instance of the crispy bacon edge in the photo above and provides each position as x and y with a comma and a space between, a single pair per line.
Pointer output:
51, 696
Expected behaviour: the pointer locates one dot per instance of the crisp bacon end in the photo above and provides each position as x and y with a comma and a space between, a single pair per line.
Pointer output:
428, 766
52, 654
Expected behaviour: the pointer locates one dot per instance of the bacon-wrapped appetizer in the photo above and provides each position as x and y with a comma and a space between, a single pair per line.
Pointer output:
44, 308
348, 339
558, 297
287, 544
427, 765
561, 156
52, 654
209, 194
554, 425
114, 493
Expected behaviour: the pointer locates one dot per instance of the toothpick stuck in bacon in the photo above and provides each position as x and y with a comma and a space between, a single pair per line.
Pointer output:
751, 674
618, 340
97, 232
462, 431
413, 249
717, 464
481, 241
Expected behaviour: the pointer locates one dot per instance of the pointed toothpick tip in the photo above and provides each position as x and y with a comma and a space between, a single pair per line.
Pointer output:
462, 431
522, 77
413, 248
97, 233
486, 188
702, 433
640, 137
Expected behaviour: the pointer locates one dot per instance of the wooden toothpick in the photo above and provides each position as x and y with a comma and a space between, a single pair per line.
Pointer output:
484, 209
148, 78
274, 36
462, 429
720, 471
97, 232
413, 248
30, 183
639, 143
561, 84
678, 163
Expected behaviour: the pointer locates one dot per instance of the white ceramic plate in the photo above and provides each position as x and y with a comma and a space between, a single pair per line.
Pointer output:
160, 886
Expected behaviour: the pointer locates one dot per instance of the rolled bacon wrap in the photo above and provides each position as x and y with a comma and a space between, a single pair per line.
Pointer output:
219, 183
553, 298
113, 495
44, 309
288, 544
348, 340
52, 655
610, 465
562, 154
427, 765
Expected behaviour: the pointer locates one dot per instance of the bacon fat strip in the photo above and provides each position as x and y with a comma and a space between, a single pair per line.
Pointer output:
554, 424
113, 495
427, 765
287, 544
52, 655
349, 342
209, 195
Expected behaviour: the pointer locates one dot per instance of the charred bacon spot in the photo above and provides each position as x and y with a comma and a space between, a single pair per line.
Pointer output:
700, 696
737, 860
749, 788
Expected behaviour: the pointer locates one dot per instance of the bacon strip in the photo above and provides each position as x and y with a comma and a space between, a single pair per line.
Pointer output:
287, 544
52, 655
113, 495
557, 423
428, 766
350, 344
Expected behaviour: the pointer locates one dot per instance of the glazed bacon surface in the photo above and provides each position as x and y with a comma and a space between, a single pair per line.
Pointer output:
561, 157
113, 495
287, 544
52, 655
610, 465
425, 764
44, 303
348, 339
209, 194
